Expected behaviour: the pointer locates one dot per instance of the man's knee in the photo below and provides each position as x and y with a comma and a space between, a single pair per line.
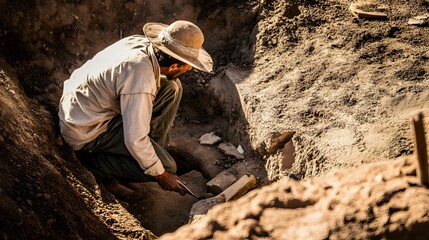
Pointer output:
171, 167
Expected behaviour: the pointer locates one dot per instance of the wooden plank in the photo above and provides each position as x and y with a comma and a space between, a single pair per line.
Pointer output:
421, 149
239, 188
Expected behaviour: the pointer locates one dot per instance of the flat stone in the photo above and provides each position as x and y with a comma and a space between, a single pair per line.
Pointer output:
230, 150
209, 139
200, 208
222, 181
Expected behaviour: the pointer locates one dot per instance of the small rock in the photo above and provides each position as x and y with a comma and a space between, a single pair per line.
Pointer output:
293, 176
209, 139
200, 208
419, 20
240, 149
51, 221
230, 150
379, 178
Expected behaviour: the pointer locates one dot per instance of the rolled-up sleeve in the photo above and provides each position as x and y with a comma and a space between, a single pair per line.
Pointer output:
136, 112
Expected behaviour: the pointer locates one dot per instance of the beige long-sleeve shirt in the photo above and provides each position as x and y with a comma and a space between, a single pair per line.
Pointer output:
121, 79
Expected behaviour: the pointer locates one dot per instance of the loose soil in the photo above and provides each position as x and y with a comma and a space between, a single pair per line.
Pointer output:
303, 86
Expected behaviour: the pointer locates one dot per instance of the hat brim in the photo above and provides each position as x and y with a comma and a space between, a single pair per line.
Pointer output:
204, 62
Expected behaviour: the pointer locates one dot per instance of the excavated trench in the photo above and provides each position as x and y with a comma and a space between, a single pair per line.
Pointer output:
343, 84
45, 51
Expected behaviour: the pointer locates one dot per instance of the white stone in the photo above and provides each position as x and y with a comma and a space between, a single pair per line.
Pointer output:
240, 149
209, 139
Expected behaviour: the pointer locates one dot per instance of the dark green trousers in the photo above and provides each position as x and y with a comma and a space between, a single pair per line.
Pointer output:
108, 157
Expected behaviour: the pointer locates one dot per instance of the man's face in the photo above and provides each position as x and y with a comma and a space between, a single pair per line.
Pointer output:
175, 70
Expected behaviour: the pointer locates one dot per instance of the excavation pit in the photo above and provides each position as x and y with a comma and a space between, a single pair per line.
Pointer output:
65, 42
347, 86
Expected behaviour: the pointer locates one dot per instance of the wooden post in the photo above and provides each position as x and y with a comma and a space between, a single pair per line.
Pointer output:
420, 148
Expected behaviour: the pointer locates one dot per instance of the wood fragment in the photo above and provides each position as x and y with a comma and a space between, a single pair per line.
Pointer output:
239, 188
280, 141
354, 9
420, 149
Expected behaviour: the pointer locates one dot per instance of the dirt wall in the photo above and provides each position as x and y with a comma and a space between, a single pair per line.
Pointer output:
347, 86
46, 40
45, 192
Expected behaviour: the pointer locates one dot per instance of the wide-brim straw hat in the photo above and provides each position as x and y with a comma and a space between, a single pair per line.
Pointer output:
182, 40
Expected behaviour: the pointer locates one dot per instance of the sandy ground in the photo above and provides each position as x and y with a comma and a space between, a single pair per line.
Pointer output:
347, 88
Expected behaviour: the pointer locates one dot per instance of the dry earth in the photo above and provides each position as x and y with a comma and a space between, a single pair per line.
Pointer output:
384, 203
347, 88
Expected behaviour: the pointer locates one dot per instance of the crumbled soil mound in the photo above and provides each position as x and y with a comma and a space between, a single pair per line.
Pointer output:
379, 200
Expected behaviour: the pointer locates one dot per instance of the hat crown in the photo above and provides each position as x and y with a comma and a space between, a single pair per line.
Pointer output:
182, 40
187, 33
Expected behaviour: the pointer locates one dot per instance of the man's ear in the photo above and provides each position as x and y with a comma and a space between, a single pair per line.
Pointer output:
173, 67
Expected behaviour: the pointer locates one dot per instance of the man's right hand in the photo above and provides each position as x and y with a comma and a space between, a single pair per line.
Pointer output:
169, 181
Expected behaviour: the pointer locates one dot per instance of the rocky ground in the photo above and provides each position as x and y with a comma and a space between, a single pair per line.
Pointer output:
303, 86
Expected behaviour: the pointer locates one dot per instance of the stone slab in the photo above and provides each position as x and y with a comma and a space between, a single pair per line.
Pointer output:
222, 181
230, 150
209, 139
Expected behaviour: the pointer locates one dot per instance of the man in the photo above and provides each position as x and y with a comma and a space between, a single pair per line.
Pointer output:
117, 109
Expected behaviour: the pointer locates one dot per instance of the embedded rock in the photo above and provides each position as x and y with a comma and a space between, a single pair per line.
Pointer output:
230, 150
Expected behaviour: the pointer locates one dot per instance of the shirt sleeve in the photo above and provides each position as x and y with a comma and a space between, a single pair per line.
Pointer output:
136, 112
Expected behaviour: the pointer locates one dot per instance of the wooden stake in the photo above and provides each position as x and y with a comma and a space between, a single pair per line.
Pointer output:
421, 150
239, 188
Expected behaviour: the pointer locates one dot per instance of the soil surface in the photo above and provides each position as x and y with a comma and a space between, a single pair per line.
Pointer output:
303, 86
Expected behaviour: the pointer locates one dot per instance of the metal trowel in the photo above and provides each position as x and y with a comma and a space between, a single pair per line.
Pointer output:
189, 191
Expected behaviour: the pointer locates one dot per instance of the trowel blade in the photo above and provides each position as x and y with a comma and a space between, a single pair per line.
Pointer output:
189, 190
